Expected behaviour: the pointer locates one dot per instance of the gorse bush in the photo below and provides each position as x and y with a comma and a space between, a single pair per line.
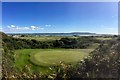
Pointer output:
104, 62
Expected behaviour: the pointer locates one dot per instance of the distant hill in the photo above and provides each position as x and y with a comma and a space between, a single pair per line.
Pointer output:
82, 33
59, 34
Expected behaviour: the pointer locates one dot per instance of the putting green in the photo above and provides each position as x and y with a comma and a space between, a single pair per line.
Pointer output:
48, 57
42, 59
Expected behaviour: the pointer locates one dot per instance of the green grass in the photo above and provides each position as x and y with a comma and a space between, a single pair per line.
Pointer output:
103, 38
50, 38
45, 38
54, 56
22, 59
40, 59
93, 46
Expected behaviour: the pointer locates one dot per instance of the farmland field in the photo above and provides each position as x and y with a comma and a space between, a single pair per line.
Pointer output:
41, 59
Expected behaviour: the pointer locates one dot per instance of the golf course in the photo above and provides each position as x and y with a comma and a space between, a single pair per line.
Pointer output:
39, 60
59, 40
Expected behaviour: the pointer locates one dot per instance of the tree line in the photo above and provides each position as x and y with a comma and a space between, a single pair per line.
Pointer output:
80, 43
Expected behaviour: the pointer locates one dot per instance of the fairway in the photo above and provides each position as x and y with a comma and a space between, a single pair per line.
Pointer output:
41, 59
100, 38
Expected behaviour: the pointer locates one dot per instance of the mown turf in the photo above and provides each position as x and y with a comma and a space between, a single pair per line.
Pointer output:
22, 59
43, 58
55, 56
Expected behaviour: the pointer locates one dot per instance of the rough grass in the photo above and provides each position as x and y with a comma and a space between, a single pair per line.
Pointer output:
43, 58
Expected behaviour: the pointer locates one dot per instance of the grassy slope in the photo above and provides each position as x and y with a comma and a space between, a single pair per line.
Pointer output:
46, 57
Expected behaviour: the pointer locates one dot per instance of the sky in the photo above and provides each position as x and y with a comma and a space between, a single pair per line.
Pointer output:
60, 17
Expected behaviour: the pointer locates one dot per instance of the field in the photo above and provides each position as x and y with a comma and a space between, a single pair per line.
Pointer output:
45, 38
40, 60
100, 38
50, 38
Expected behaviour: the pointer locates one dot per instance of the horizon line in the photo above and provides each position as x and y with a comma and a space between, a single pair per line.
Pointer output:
57, 32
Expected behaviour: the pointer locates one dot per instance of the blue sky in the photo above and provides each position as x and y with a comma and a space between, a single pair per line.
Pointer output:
46, 17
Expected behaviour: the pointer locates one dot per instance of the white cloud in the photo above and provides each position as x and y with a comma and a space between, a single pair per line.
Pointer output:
36, 28
8, 26
33, 27
26, 27
20, 28
12, 26
48, 25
